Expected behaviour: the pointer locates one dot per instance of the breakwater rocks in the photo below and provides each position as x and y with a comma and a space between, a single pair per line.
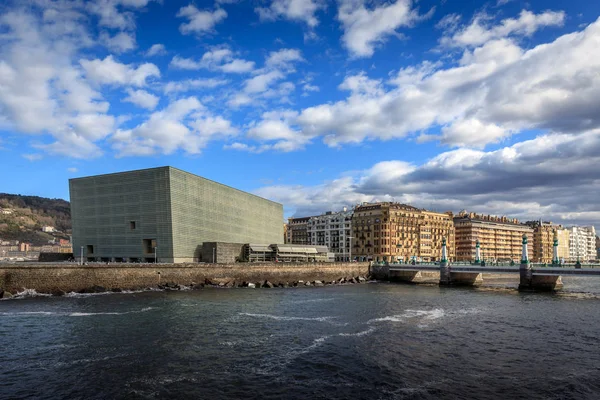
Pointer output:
94, 278
228, 285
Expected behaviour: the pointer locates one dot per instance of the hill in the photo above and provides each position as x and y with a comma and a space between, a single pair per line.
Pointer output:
22, 218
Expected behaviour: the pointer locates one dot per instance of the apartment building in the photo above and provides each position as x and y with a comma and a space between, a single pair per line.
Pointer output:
332, 229
297, 230
582, 243
389, 231
500, 238
544, 234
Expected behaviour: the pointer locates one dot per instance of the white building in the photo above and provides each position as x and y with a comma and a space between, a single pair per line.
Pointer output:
6, 211
582, 243
332, 230
48, 229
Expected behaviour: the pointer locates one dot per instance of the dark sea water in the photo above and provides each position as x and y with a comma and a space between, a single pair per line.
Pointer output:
368, 341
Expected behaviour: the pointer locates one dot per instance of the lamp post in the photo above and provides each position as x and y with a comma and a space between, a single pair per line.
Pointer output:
214, 248
155, 255
399, 246
81, 257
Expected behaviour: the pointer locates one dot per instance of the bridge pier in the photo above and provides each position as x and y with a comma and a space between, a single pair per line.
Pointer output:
450, 278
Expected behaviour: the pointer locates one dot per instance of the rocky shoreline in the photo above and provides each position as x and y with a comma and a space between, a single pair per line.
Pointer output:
208, 283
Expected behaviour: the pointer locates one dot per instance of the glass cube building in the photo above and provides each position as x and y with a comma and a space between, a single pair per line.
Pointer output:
164, 214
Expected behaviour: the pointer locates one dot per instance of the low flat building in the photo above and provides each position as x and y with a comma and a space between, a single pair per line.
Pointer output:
287, 253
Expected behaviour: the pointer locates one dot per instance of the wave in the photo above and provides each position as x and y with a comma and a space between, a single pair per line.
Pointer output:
28, 293
73, 314
284, 318
424, 316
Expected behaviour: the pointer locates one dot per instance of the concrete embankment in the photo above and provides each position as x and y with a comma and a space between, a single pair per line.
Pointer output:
68, 277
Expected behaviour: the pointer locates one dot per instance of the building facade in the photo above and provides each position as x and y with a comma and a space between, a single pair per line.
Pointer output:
297, 231
582, 241
164, 214
500, 238
543, 242
398, 232
332, 230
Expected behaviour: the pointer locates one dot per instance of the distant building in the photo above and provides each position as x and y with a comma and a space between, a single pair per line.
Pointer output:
164, 214
24, 247
332, 229
399, 232
298, 231
500, 238
582, 240
6, 211
48, 229
285, 233
543, 241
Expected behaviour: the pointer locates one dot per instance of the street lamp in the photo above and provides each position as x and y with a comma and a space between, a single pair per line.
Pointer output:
399, 246
155, 257
81, 257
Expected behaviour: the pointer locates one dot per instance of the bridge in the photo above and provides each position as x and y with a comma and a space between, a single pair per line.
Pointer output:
531, 277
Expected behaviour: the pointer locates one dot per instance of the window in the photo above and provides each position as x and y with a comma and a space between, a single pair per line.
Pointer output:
90, 249
132, 225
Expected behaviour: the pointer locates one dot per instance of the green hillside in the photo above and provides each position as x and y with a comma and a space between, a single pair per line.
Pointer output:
29, 214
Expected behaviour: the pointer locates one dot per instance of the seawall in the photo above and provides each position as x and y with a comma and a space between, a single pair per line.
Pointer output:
67, 277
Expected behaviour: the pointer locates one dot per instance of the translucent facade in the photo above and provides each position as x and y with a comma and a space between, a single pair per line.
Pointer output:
164, 213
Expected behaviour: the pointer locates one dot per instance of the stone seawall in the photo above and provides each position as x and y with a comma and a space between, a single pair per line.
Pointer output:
48, 278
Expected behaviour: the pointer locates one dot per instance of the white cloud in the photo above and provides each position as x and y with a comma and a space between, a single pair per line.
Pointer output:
365, 28
278, 64
200, 22
219, 59
142, 99
284, 58
479, 31
192, 84
42, 91
119, 43
157, 49
260, 83
294, 10
184, 125
498, 88
72, 169
523, 181
109, 71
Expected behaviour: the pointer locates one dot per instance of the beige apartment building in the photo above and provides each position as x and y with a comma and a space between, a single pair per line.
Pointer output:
543, 241
398, 232
500, 238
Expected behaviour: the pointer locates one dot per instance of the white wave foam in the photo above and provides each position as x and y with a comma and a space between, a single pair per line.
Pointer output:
73, 314
424, 316
28, 293
284, 318
359, 334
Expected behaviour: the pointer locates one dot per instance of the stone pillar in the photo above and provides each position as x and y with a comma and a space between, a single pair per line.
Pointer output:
477, 253
525, 273
555, 259
445, 278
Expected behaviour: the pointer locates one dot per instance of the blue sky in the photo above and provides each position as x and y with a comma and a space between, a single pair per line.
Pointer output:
486, 106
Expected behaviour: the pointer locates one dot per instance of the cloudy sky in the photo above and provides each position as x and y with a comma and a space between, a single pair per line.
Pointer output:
491, 106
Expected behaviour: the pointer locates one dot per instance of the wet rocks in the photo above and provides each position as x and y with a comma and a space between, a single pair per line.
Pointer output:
268, 284
251, 285
5, 295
